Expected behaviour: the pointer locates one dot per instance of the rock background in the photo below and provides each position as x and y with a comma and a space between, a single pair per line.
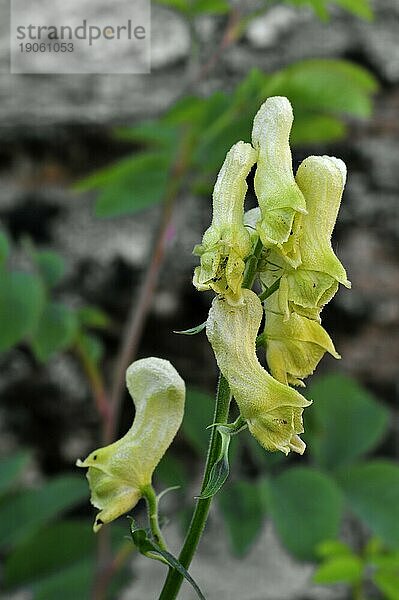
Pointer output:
54, 129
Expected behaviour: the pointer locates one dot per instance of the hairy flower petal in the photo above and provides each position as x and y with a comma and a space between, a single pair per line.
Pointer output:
117, 473
280, 199
295, 347
226, 243
273, 411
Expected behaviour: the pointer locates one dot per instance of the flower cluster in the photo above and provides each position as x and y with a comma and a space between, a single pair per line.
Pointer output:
294, 223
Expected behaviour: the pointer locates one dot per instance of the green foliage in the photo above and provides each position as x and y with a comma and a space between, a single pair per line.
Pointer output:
23, 513
11, 468
148, 547
131, 185
55, 331
4, 248
197, 417
192, 8
359, 8
51, 267
347, 568
243, 513
323, 94
372, 490
21, 302
306, 508
61, 557
345, 421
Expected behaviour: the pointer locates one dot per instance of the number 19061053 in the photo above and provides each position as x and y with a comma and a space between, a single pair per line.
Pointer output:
46, 47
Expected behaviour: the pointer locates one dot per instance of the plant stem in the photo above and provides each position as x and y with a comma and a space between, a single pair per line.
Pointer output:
141, 305
152, 509
174, 579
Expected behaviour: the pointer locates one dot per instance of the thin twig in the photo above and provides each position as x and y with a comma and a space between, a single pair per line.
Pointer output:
142, 304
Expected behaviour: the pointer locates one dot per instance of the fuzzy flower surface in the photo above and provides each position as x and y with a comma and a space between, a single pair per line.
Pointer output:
118, 473
294, 347
272, 410
281, 202
226, 243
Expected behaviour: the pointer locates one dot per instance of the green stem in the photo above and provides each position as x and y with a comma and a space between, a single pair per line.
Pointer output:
174, 579
270, 290
152, 509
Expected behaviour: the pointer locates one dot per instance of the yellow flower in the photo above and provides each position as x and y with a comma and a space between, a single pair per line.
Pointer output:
119, 472
306, 289
226, 243
272, 410
281, 201
295, 347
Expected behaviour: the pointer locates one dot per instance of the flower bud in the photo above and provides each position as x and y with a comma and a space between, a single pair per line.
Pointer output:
226, 243
272, 410
281, 201
119, 472
295, 347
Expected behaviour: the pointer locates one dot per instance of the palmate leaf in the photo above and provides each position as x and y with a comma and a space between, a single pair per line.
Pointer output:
345, 422
243, 513
306, 507
372, 492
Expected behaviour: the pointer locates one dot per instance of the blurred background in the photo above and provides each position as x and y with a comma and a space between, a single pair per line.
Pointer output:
105, 187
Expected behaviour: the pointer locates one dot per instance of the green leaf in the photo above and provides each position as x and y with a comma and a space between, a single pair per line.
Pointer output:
10, 468
197, 416
388, 584
131, 184
306, 507
171, 471
220, 470
91, 316
24, 513
372, 490
243, 512
192, 330
155, 132
4, 247
91, 346
325, 85
149, 548
55, 331
314, 129
51, 266
360, 8
333, 549
54, 548
21, 302
215, 7
61, 557
340, 569
345, 421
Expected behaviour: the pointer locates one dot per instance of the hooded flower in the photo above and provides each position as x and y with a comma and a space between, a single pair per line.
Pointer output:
281, 201
272, 410
295, 347
226, 243
117, 473
308, 288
